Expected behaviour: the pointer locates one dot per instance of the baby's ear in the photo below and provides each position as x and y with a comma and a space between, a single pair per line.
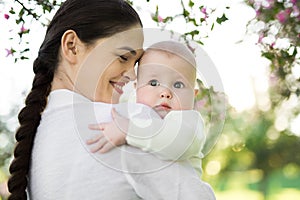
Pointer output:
196, 91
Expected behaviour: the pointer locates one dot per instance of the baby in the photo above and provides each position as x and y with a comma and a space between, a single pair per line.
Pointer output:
166, 80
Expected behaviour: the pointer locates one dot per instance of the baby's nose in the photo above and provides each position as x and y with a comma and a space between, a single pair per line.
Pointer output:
166, 93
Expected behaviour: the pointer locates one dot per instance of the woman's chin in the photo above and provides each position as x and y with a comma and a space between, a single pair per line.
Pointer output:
115, 98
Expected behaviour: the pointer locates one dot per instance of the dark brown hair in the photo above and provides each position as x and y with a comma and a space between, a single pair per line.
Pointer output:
91, 20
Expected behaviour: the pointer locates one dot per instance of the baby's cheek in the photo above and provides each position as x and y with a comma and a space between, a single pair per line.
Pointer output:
186, 103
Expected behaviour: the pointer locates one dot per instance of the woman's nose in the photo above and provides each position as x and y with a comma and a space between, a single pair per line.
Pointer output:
166, 93
130, 74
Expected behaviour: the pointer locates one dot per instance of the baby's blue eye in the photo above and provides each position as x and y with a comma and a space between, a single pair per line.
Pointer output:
154, 83
178, 85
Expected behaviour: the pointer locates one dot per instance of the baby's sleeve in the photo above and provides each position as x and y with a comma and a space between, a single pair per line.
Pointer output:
179, 136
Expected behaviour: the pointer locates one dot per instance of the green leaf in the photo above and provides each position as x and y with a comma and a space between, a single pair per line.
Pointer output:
194, 21
212, 26
12, 11
200, 42
21, 13
191, 4
192, 33
268, 55
24, 58
130, 2
155, 16
222, 19
168, 19
298, 92
25, 50
18, 21
186, 13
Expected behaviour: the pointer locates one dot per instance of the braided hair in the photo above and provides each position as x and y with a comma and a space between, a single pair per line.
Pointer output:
91, 20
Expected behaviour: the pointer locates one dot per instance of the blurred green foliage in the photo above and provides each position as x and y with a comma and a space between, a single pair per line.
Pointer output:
6, 149
252, 152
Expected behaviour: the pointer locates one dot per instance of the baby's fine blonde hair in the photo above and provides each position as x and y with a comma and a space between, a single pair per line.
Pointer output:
176, 48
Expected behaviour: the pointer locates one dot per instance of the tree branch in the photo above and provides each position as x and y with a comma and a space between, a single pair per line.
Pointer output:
34, 15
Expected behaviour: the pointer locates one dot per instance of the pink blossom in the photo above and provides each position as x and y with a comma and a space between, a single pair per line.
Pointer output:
261, 36
23, 29
9, 52
257, 13
269, 4
6, 16
293, 2
201, 103
296, 11
160, 19
283, 15
204, 11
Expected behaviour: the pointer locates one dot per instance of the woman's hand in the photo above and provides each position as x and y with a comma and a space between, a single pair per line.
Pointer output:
113, 133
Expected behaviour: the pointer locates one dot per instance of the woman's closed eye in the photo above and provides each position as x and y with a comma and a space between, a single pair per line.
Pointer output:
123, 58
179, 85
153, 83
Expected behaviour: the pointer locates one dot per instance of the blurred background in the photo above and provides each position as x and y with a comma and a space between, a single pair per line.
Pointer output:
255, 48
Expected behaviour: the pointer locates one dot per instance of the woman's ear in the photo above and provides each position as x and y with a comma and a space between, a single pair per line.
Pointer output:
69, 46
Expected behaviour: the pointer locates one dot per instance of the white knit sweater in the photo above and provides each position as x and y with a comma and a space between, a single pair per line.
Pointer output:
62, 167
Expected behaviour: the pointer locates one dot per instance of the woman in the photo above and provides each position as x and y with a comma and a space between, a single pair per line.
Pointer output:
87, 56
77, 28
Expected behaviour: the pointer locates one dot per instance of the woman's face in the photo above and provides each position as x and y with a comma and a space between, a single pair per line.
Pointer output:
109, 65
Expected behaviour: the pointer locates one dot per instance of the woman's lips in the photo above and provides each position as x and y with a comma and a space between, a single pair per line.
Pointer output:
118, 86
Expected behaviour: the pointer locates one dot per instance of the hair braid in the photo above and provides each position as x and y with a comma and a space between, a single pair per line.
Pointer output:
29, 119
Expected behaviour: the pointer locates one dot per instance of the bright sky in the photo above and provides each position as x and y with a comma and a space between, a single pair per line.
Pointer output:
239, 64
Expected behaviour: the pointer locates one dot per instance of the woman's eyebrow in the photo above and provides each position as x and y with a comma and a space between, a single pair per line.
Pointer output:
132, 51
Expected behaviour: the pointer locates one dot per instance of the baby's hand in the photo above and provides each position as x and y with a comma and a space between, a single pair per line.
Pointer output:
113, 133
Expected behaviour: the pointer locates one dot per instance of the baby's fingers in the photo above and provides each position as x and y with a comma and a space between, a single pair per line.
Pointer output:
100, 127
94, 139
106, 147
99, 145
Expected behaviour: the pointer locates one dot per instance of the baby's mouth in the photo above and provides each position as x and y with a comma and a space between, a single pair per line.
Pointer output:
163, 106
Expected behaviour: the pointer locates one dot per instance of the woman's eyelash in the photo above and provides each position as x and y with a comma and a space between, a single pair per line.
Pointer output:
124, 58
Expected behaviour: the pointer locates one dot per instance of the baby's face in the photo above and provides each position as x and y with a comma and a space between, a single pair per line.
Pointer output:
165, 82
